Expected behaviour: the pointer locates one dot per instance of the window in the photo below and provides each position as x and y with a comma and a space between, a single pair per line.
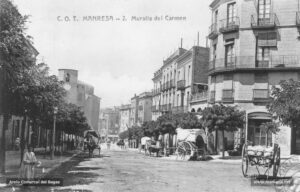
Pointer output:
262, 56
189, 71
216, 17
267, 39
231, 14
67, 77
229, 53
264, 11
261, 78
214, 51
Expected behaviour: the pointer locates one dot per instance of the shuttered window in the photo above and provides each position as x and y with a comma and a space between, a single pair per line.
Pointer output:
267, 39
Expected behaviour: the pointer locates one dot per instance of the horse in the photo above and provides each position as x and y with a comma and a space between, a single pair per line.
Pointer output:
152, 147
91, 146
121, 144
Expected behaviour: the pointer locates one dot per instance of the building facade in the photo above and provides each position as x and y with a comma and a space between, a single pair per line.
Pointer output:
192, 67
144, 107
254, 45
110, 123
134, 111
82, 95
124, 117
156, 95
181, 84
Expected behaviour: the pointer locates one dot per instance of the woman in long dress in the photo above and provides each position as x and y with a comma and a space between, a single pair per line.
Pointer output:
28, 164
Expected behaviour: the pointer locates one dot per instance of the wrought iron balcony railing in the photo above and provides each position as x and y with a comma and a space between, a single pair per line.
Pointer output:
180, 109
229, 24
181, 84
227, 96
298, 18
261, 95
251, 62
213, 31
202, 96
268, 21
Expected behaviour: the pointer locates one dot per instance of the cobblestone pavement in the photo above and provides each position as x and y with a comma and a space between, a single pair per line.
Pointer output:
123, 170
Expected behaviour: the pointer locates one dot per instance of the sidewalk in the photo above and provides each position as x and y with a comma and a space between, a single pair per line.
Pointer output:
13, 163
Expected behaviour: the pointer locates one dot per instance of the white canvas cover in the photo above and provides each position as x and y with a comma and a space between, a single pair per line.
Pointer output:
144, 139
190, 134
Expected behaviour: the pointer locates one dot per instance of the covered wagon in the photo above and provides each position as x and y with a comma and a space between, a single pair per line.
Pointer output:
191, 143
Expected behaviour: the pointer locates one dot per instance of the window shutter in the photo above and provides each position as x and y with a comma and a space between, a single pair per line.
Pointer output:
268, 39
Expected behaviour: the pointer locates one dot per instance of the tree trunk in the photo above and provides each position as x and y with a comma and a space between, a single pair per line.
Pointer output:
3, 147
22, 140
216, 142
223, 143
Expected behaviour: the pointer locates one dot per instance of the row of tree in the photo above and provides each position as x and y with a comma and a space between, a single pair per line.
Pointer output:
214, 118
26, 88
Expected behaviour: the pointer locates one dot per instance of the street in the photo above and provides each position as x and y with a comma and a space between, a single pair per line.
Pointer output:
123, 170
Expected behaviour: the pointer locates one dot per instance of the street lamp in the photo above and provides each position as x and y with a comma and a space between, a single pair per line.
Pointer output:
53, 135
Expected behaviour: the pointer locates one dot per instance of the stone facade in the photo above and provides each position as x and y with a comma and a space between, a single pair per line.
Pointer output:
82, 95
124, 117
254, 45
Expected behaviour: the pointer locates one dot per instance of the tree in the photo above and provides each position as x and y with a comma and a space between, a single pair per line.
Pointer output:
222, 118
187, 120
124, 135
285, 105
16, 56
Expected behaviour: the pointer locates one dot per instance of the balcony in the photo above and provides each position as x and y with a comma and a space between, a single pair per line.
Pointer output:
246, 63
166, 107
261, 95
172, 84
267, 22
213, 31
298, 18
179, 109
155, 108
181, 84
198, 97
212, 97
227, 96
230, 24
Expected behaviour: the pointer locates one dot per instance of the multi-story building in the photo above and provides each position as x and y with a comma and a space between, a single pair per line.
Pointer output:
192, 67
156, 95
110, 126
134, 111
180, 85
82, 95
169, 79
124, 117
254, 45
144, 107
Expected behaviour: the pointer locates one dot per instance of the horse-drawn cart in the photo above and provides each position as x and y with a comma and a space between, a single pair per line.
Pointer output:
191, 143
260, 156
260, 150
92, 142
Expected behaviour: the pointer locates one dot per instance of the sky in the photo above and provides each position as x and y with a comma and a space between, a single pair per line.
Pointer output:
117, 57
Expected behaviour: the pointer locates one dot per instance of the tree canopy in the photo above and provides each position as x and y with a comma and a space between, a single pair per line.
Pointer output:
285, 102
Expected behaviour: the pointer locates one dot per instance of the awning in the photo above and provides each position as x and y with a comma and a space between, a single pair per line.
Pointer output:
260, 115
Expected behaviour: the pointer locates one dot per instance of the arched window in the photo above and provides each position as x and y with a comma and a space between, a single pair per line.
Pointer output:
193, 110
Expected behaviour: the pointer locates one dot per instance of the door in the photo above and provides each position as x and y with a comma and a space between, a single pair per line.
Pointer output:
264, 12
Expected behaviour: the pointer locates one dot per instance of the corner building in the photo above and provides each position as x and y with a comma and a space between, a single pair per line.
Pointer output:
254, 44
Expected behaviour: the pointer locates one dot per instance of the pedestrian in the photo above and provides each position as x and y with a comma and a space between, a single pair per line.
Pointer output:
108, 144
27, 170
17, 144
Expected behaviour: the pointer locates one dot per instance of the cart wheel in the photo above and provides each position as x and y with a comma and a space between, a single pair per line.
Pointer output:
245, 161
276, 161
180, 151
